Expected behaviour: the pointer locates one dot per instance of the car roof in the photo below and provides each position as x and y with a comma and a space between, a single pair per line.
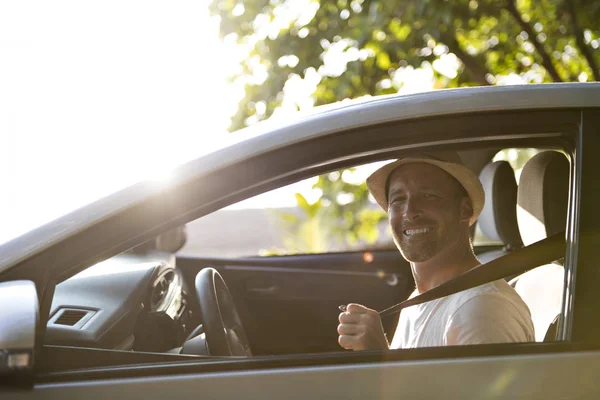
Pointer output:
322, 121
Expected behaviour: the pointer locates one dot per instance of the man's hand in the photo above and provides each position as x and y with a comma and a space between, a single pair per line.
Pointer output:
360, 329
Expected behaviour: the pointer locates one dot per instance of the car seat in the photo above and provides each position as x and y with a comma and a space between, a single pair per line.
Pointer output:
498, 220
541, 212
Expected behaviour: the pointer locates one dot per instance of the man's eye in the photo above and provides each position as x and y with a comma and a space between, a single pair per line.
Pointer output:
398, 200
429, 196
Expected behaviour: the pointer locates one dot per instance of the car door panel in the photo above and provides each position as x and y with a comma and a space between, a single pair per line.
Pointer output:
290, 304
525, 376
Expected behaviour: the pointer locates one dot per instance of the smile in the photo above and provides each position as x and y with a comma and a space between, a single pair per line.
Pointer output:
417, 231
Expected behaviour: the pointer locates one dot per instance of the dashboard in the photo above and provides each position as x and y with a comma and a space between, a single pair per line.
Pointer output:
129, 302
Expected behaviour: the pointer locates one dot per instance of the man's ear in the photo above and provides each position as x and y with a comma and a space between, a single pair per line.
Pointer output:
466, 209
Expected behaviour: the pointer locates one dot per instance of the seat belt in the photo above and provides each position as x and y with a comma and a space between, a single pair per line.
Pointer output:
543, 252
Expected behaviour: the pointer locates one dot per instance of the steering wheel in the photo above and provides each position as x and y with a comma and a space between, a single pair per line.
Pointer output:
225, 335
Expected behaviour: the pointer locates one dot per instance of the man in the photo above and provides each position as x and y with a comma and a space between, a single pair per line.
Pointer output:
431, 201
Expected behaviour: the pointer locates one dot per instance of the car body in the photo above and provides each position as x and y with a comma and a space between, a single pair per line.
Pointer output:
270, 155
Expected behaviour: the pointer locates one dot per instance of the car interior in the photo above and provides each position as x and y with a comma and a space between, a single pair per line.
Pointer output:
543, 194
154, 299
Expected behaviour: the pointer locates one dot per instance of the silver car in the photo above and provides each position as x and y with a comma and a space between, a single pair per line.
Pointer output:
143, 294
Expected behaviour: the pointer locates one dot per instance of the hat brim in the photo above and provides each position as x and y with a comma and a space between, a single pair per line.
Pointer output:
377, 182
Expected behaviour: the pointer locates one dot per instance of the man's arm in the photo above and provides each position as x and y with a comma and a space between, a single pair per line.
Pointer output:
360, 328
488, 318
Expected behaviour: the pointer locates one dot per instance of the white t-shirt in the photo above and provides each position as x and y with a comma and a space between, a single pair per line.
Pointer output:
490, 313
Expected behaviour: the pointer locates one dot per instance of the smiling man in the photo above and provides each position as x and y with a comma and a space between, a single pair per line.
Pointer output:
431, 201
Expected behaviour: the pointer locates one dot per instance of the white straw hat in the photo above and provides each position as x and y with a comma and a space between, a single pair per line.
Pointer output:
448, 161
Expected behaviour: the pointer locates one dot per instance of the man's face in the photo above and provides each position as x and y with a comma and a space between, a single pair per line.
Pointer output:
428, 212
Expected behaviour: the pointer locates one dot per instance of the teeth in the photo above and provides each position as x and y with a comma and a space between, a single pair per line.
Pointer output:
417, 231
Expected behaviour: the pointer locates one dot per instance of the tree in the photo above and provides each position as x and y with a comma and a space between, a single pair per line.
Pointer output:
341, 219
342, 49
353, 48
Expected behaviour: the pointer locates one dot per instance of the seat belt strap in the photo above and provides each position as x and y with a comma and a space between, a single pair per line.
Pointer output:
543, 252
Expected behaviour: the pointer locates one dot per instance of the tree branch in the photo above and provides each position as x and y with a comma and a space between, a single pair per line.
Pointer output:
585, 50
477, 71
546, 61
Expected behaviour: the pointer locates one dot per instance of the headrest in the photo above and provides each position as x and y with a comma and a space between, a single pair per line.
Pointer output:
543, 196
498, 220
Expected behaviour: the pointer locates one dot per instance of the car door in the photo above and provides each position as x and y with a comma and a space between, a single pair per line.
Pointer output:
289, 304
289, 265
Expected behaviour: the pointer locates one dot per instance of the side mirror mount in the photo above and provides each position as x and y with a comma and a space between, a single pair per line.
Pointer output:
18, 322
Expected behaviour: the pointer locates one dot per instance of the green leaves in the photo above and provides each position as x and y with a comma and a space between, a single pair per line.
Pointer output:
388, 35
311, 210
400, 32
383, 61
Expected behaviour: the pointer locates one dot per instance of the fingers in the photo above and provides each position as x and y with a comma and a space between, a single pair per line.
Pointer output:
350, 329
360, 329
357, 314
347, 318
347, 342
354, 308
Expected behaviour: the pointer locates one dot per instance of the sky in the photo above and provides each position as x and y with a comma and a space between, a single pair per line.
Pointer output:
95, 96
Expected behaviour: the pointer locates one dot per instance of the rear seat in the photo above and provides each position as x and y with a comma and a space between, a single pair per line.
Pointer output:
542, 212
498, 220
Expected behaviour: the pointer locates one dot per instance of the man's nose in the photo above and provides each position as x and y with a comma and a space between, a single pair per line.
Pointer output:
412, 209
